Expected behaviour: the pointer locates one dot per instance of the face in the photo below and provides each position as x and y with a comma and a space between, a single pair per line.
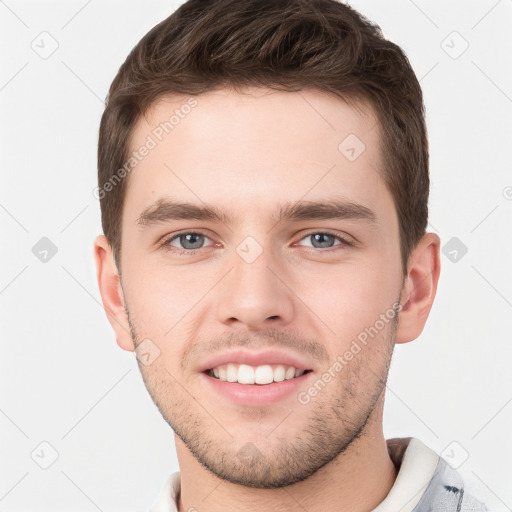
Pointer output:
260, 244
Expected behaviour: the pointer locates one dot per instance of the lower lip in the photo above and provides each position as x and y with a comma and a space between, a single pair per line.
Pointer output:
256, 395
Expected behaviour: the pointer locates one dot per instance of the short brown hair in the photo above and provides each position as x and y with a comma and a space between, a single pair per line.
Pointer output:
285, 45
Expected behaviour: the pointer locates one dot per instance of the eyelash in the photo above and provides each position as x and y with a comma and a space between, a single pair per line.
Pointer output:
337, 235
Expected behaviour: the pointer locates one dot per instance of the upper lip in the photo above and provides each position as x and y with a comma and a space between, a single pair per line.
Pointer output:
255, 359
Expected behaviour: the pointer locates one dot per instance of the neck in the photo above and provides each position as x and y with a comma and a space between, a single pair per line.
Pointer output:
356, 481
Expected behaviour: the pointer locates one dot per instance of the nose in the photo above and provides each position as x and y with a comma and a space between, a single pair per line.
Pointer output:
255, 294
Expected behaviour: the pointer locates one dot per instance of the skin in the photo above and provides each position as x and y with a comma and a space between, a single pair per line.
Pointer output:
248, 153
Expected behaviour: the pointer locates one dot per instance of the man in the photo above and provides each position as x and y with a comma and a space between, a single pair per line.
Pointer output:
263, 176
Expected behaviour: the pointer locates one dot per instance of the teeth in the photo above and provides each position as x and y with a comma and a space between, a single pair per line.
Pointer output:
290, 373
279, 374
245, 374
231, 373
264, 374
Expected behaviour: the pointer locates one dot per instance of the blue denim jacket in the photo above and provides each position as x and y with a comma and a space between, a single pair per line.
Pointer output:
445, 493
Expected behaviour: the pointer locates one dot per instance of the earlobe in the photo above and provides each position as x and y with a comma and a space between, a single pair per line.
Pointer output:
419, 288
112, 293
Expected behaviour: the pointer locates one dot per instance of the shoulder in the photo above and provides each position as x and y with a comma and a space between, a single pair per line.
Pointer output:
447, 492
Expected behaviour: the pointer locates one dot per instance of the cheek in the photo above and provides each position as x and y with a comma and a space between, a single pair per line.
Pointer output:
347, 300
161, 295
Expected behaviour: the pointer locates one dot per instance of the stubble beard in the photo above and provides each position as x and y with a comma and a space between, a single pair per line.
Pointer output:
333, 421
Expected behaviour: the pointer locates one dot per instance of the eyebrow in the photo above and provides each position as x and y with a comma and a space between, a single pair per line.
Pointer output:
166, 209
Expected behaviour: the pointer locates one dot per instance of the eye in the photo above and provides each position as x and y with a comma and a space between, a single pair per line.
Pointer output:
190, 241
186, 242
324, 240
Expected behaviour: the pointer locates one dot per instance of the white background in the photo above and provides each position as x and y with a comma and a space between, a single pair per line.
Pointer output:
64, 380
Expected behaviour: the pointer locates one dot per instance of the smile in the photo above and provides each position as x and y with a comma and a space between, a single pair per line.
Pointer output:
262, 374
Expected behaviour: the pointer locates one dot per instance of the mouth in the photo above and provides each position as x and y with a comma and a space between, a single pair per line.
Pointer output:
260, 375
256, 379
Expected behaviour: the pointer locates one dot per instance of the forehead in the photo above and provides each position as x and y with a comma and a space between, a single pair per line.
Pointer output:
258, 147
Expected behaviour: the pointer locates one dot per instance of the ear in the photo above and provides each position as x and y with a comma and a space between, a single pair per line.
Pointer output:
419, 288
112, 293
